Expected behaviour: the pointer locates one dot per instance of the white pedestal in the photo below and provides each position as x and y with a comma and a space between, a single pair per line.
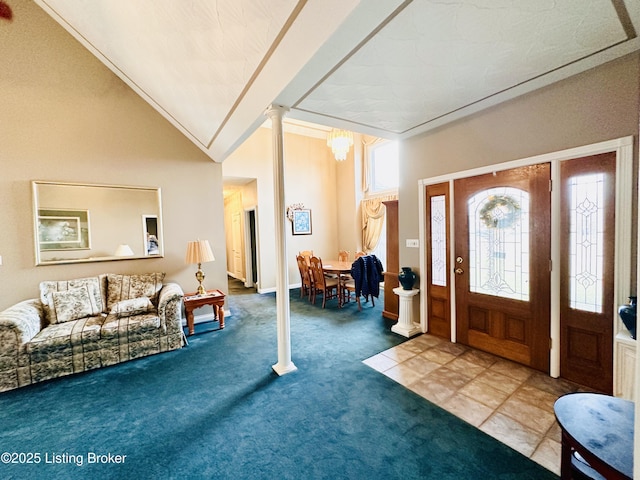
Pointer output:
405, 325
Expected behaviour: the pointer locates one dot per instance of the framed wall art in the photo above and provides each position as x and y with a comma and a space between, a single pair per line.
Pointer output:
63, 229
301, 221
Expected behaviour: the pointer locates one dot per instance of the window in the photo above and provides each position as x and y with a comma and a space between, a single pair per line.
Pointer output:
385, 170
499, 243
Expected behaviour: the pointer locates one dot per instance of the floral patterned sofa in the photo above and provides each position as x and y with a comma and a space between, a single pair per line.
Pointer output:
87, 323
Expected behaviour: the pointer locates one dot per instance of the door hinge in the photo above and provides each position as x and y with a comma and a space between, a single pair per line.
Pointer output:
550, 265
551, 185
550, 343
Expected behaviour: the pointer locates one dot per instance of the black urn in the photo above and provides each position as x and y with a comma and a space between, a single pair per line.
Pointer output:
407, 278
628, 315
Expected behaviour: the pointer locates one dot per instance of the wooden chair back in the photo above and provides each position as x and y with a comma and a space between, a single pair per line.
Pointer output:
329, 287
305, 276
360, 254
317, 274
343, 256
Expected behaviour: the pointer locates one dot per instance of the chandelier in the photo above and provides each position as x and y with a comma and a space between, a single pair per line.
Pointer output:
340, 141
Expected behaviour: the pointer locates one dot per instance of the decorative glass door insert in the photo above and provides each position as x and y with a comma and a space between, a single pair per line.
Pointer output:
499, 243
586, 242
438, 241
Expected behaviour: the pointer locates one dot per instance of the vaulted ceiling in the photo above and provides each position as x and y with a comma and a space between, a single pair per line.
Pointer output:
388, 68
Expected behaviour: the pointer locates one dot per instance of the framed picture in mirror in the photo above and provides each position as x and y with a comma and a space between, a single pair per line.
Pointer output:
151, 242
63, 229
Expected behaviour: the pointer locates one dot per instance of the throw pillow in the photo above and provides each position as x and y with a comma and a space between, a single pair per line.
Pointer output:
125, 287
74, 304
132, 306
47, 288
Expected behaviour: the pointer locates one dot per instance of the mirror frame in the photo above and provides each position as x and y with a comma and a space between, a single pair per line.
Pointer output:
82, 218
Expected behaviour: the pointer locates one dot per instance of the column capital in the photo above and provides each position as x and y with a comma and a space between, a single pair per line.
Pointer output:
277, 111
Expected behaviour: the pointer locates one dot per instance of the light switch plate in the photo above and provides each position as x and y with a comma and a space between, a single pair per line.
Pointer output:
0, 259
413, 243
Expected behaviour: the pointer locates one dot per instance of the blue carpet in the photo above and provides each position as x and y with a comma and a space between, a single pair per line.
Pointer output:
215, 409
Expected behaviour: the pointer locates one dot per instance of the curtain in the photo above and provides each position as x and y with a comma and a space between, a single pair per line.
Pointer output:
366, 162
373, 218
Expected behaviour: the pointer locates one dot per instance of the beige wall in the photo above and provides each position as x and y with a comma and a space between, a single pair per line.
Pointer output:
597, 105
310, 179
65, 117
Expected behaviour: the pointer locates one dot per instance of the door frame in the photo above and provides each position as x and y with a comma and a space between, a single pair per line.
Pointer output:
623, 147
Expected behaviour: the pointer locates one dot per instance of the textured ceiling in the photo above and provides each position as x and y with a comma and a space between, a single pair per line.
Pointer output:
390, 69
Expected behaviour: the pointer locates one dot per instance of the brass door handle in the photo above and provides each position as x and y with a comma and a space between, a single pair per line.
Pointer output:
459, 271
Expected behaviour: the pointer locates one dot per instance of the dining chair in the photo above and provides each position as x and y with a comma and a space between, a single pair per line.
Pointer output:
306, 253
343, 256
349, 288
305, 277
328, 287
360, 254
366, 273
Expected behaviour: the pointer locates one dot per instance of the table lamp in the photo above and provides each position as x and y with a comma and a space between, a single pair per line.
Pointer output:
123, 250
199, 252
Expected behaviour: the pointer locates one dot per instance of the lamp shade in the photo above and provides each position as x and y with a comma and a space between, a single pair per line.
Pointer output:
199, 251
123, 251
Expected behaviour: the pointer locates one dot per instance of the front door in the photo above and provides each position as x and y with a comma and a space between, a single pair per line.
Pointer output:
502, 255
587, 270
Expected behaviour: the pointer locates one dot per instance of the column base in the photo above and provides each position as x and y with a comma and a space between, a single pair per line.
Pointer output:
405, 326
406, 330
281, 369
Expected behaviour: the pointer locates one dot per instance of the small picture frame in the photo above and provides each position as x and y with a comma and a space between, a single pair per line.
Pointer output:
301, 222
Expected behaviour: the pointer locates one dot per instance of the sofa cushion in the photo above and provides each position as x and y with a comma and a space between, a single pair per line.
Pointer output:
132, 306
125, 287
76, 303
61, 338
47, 288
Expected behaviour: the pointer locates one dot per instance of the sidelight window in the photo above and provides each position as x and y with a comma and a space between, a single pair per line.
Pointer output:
586, 242
438, 241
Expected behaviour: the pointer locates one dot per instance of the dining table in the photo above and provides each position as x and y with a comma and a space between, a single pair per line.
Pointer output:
337, 267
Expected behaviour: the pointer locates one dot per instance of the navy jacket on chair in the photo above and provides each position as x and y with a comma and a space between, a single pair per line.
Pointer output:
367, 273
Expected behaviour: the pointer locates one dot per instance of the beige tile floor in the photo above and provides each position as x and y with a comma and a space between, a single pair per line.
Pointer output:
510, 402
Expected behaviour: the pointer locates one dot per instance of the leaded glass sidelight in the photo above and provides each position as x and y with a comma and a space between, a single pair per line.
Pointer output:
499, 243
438, 241
586, 242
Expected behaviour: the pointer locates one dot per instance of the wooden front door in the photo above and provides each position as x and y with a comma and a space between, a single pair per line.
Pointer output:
587, 270
438, 263
502, 255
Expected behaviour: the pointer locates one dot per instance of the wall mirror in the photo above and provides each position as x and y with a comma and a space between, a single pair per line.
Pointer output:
76, 223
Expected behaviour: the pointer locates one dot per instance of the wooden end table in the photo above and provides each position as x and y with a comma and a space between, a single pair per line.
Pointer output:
215, 298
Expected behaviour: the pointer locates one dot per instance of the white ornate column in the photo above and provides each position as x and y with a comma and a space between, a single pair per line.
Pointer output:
405, 326
284, 365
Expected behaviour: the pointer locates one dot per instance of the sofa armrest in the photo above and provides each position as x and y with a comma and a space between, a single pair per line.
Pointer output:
170, 307
19, 324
